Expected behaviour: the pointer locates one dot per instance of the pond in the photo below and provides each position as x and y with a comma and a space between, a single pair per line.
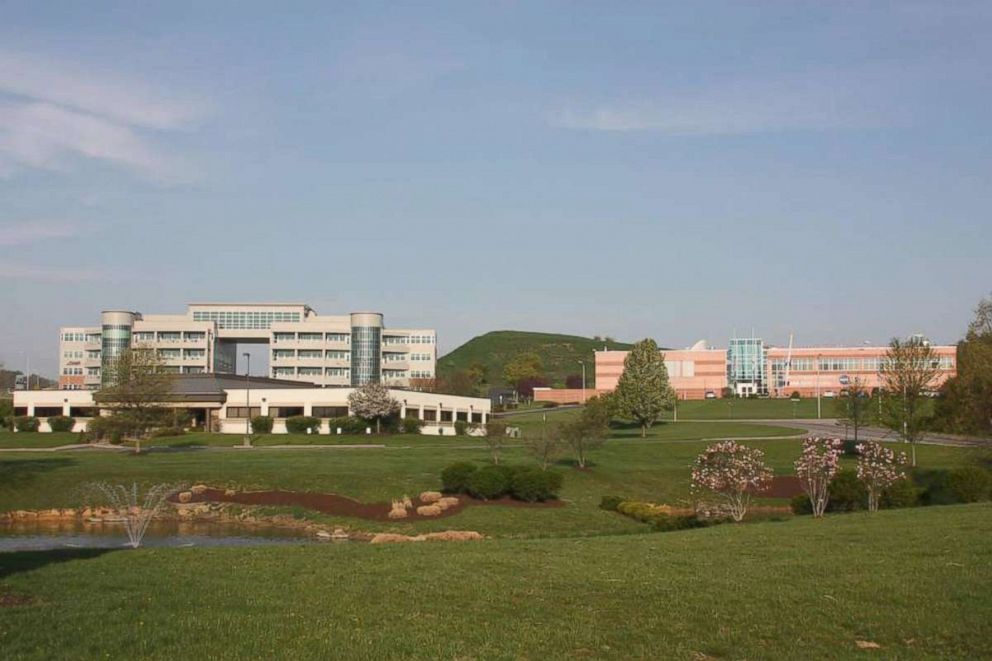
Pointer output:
44, 536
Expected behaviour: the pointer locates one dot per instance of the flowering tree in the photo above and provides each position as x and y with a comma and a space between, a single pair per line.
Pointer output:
372, 402
816, 467
878, 467
732, 472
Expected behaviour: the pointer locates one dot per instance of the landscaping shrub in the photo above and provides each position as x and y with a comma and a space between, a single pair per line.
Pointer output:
261, 424
610, 503
489, 482
935, 487
412, 425
454, 478
348, 425
851, 448
61, 423
970, 484
901, 493
105, 428
461, 428
533, 485
847, 493
800, 504
665, 523
389, 425
300, 424
549, 405
26, 423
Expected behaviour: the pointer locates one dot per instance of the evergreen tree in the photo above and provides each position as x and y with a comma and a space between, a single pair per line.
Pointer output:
643, 391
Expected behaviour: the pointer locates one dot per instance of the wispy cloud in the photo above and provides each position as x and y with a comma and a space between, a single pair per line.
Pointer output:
22, 233
827, 100
52, 112
42, 274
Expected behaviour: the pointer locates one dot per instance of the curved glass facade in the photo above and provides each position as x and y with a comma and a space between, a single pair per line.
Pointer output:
116, 338
365, 354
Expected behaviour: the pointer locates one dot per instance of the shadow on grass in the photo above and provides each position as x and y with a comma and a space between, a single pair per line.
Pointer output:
24, 561
19, 473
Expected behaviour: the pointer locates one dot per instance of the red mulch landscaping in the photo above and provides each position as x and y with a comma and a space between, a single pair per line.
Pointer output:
330, 503
9, 600
783, 486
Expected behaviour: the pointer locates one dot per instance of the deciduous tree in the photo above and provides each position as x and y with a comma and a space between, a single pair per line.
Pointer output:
878, 468
523, 366
544, 445
816, 467
588, 430
495, 437
373, 402
853, 407
965, 405
908, 374
136, 393
643, 391
733, 473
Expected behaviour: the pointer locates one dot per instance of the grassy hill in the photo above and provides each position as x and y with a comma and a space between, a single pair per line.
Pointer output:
560, 354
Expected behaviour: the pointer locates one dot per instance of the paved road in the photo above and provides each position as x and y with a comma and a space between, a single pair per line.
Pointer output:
829, 427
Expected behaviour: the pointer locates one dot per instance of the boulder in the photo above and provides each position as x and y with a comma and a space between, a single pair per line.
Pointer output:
453, 536
398, 513
431, 496
390, 538
198, 489
429, 510
323, 534
229, 492
185, 496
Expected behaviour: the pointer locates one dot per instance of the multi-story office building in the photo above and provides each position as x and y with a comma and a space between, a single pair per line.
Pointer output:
340, 350
749, 367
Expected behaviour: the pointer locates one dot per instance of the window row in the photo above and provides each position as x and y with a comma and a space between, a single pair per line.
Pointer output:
255, 320
286, 354
310, 337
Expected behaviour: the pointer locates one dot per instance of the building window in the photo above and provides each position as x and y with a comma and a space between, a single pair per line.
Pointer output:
330, 411
338, 337
310, 353
284, 337
309, 371
337, 355
239, 411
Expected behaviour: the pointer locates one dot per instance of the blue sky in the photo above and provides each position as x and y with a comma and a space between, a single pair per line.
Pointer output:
674, 170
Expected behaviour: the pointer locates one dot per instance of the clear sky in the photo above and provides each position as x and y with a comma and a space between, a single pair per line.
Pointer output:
677, 170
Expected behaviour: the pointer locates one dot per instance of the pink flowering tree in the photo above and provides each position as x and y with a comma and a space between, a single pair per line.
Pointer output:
816, 467
878, 468
733, 473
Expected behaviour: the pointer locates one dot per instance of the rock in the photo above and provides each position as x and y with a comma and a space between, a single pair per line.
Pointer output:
48, 514
185, 496
25, 514
68, 513
229, 492
429, 510
390, 538
323, 534
453, 536
451, 501
398, 513
867, 645
340, 533
199, 489
431, 496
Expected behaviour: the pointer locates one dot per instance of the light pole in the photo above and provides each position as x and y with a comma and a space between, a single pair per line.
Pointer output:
818, 356
247, 398
583, 363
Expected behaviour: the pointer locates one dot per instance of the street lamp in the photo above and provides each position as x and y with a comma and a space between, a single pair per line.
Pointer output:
818, 357
583, 363
247, 398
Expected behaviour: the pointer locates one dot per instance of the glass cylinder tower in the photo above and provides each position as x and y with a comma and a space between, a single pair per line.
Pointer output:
116, 327
366, 348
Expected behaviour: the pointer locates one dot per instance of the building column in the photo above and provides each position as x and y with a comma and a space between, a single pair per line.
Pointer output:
403, 410
65, 407
308, 409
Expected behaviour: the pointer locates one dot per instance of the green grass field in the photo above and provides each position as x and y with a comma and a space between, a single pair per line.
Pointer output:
915, 582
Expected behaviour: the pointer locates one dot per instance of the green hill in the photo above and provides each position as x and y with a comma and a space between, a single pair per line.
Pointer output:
559, 353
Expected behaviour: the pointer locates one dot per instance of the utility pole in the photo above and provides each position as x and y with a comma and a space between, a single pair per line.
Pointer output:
247, 399
583, 363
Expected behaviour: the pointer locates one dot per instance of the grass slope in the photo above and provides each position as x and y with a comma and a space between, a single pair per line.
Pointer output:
915, 582
560, 354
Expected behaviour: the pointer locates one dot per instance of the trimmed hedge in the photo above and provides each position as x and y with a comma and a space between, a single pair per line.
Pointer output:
454, 478
26, 423
61, 423
303, 424
261, 424
520, 482
661, 517
970, 484
533, 485
348, 425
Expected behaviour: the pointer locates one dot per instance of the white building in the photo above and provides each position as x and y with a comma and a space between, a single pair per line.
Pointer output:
221, 402
339, 350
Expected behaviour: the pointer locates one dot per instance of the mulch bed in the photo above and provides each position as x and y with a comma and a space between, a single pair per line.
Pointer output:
783, 486
8, 600
331, 503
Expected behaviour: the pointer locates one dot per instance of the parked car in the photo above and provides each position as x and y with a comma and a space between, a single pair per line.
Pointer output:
710, 394
830, 393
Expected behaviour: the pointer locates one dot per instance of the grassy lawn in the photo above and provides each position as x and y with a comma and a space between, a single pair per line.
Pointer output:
915, 582
654, 469
10, 439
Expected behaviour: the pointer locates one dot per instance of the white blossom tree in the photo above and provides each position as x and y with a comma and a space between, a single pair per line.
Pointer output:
878, 468
816, 467
733, 473
372, 402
